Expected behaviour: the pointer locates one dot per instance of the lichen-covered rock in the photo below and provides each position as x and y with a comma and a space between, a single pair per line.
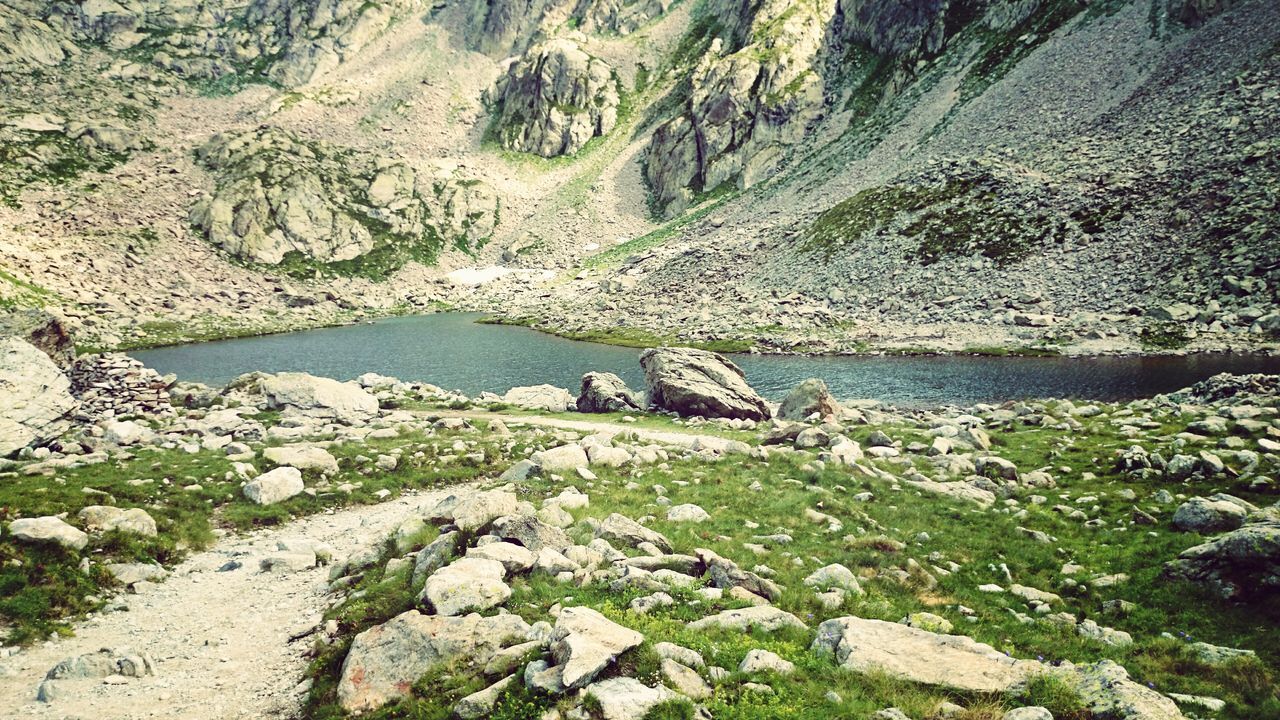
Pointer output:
554, 99
278, 197
1107, 691
385, 660
1207, 515
1243, 561
35, 397
697, 382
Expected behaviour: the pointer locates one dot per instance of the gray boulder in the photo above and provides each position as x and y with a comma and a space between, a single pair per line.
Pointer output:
624, 698
48, 529
473, 511
468, 585
762, 617
1207, 515
275, 486
606, 392
104, 518
696, 382
317, 396
107, 661
539, 397
625, 531
47, 332
809, 397
385, 660
584, 642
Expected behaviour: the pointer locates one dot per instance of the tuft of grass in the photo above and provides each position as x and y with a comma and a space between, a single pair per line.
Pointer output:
1165, 336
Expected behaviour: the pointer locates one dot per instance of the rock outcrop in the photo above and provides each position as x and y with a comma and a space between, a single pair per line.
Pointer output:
696, 382
554, 99
26, 40
290, 43
752, 98
35, 397
1241, 562
279, 197
385, 660
605, 392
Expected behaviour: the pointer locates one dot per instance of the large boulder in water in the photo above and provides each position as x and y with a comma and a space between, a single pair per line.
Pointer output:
696, 382
809, 397
35, 397
606, 392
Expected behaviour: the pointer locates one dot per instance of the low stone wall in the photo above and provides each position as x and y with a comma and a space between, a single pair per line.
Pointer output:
115, 385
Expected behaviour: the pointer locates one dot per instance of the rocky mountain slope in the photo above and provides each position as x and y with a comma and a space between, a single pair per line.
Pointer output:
838, 175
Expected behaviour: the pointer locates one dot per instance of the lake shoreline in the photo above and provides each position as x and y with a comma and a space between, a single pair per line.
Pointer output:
453, 350
626, 337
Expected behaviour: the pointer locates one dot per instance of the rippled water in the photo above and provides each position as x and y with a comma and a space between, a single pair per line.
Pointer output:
452, 351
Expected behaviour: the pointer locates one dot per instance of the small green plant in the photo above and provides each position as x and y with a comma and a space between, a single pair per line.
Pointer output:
1165, 336
1056, 695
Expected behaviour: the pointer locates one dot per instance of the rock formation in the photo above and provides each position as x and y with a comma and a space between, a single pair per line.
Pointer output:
752, 97
35, 397
554, 99
697, 382
279, 196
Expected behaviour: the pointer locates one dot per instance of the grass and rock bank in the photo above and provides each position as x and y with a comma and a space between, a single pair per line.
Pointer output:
752, 567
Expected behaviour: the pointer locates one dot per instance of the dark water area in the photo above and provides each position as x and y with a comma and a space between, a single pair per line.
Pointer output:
453, 351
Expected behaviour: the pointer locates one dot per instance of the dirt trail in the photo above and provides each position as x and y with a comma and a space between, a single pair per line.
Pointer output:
679, 438
220, 640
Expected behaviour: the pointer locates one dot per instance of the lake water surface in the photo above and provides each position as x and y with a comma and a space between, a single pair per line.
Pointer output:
453, 351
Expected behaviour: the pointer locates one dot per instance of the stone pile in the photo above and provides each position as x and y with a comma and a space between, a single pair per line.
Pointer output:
115, 385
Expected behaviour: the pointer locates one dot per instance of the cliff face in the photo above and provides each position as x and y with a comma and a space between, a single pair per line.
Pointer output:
554, 99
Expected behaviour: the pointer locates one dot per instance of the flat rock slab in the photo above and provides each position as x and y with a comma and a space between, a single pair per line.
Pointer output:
764, 617
469, 585
921, 656
384, 661
584, 642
